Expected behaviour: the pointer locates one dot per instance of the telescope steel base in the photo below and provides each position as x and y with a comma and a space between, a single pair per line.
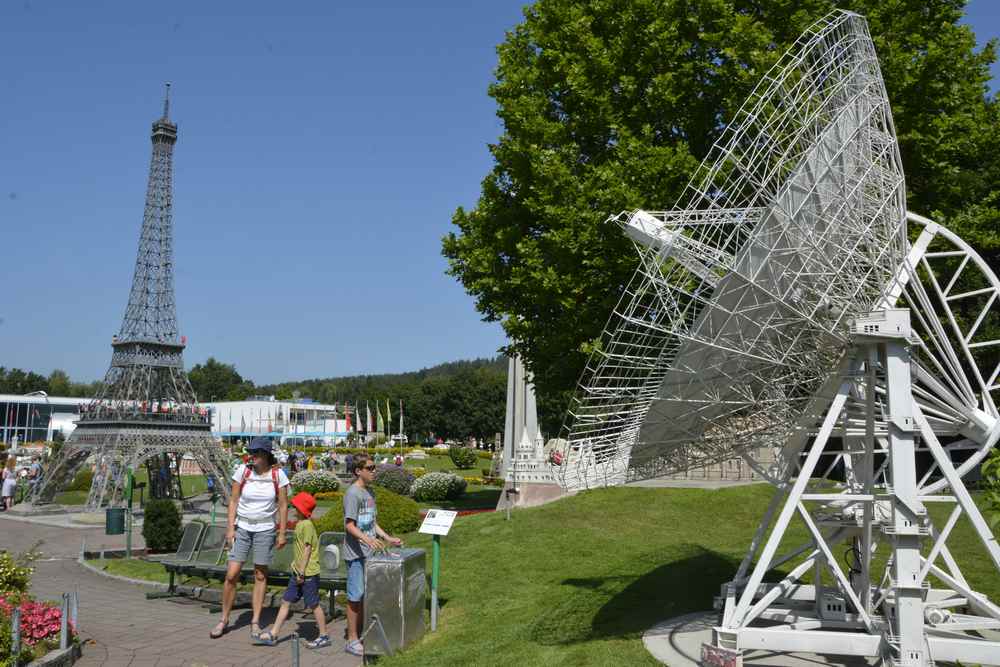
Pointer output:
895, 615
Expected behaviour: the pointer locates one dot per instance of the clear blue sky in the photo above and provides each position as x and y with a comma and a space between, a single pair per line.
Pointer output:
322, 152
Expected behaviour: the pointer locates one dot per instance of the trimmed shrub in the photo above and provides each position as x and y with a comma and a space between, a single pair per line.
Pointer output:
82, 480
417, 471
435, 486
314, 481
463, 457
161, 525
395, 478
396, 514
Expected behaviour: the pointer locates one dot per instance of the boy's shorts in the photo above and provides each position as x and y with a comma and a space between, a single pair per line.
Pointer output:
356, 580
308, 591
260, 543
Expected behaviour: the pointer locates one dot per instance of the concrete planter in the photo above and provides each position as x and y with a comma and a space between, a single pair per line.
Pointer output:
60, 657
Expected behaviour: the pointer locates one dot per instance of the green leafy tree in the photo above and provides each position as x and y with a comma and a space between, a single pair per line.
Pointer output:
17, 381
991, 488
59, 383
216, 381
610, 105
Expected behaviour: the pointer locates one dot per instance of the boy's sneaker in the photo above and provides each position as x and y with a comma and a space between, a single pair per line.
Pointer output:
355, 648
320, 642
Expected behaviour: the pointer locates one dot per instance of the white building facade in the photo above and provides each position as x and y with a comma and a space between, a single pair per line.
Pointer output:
37, 417
301, 422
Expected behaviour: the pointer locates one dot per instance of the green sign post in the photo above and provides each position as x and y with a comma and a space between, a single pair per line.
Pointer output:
436, 523
129, 484
435, 571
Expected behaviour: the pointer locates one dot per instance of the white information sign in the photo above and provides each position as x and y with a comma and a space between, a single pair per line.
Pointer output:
438, 522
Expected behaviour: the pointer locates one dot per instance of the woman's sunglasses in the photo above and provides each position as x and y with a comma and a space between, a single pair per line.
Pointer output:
369, 467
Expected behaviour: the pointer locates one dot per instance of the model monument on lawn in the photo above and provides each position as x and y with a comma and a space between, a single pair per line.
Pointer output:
528, 478
145, 407
782, 305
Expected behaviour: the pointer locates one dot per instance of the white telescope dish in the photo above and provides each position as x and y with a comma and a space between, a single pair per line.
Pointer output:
782, 305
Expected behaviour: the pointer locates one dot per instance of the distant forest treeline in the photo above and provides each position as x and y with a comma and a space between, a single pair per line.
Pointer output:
456, 399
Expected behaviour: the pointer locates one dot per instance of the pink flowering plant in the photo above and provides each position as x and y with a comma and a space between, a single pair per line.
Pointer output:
39, 620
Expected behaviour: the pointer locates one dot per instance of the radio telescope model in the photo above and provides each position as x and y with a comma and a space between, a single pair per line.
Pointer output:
782, 305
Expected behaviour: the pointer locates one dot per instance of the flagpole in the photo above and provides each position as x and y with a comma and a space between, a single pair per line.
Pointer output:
17, 420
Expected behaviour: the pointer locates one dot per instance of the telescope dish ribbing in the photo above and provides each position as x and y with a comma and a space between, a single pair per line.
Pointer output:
781, 305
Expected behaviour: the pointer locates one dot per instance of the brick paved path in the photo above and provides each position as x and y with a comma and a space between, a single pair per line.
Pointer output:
120, 627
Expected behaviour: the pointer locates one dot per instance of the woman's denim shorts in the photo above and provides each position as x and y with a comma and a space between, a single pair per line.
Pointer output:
260, 542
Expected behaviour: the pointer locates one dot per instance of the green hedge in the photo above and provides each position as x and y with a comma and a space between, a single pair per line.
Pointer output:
396, 514
82, 480
463, 457
161, 525
483, 454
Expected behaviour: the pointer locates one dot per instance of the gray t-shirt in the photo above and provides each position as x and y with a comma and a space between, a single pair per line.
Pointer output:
359, 506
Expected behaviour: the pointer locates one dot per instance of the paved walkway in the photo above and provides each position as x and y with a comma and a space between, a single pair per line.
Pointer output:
120, 627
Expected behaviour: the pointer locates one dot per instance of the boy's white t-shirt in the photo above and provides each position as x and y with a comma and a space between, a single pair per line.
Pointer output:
257, 500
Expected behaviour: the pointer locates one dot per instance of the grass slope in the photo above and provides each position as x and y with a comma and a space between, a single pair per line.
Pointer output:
578, 581
192, 485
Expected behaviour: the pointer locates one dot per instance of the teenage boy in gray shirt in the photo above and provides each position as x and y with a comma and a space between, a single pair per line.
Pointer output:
364, 535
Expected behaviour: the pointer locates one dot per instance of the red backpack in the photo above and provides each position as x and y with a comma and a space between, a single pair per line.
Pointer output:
246, 475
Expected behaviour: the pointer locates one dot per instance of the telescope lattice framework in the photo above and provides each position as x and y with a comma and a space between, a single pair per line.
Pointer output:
784, 304
146, 406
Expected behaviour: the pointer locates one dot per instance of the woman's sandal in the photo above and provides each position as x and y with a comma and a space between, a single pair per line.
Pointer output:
219, 630
264, 639
254, 632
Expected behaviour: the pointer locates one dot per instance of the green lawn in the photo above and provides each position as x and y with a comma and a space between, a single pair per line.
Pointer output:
71, 498
192, 485
444, 464
476, 497
578, 581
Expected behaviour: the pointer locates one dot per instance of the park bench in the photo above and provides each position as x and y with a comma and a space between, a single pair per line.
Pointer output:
202, 553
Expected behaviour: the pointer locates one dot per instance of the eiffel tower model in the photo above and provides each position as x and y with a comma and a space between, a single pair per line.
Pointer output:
146, 407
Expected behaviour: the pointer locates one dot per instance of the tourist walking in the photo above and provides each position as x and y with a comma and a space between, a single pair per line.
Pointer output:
303, 584
9, 482
364, 536
260, 491
35, 474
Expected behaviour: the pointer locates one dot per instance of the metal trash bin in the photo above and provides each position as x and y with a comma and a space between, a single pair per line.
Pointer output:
114, 521
395, 589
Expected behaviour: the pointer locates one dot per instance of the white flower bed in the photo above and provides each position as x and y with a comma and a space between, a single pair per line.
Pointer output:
315, 481
438, 486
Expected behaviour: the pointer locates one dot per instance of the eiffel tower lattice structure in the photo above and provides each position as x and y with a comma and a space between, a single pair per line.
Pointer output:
145, 407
